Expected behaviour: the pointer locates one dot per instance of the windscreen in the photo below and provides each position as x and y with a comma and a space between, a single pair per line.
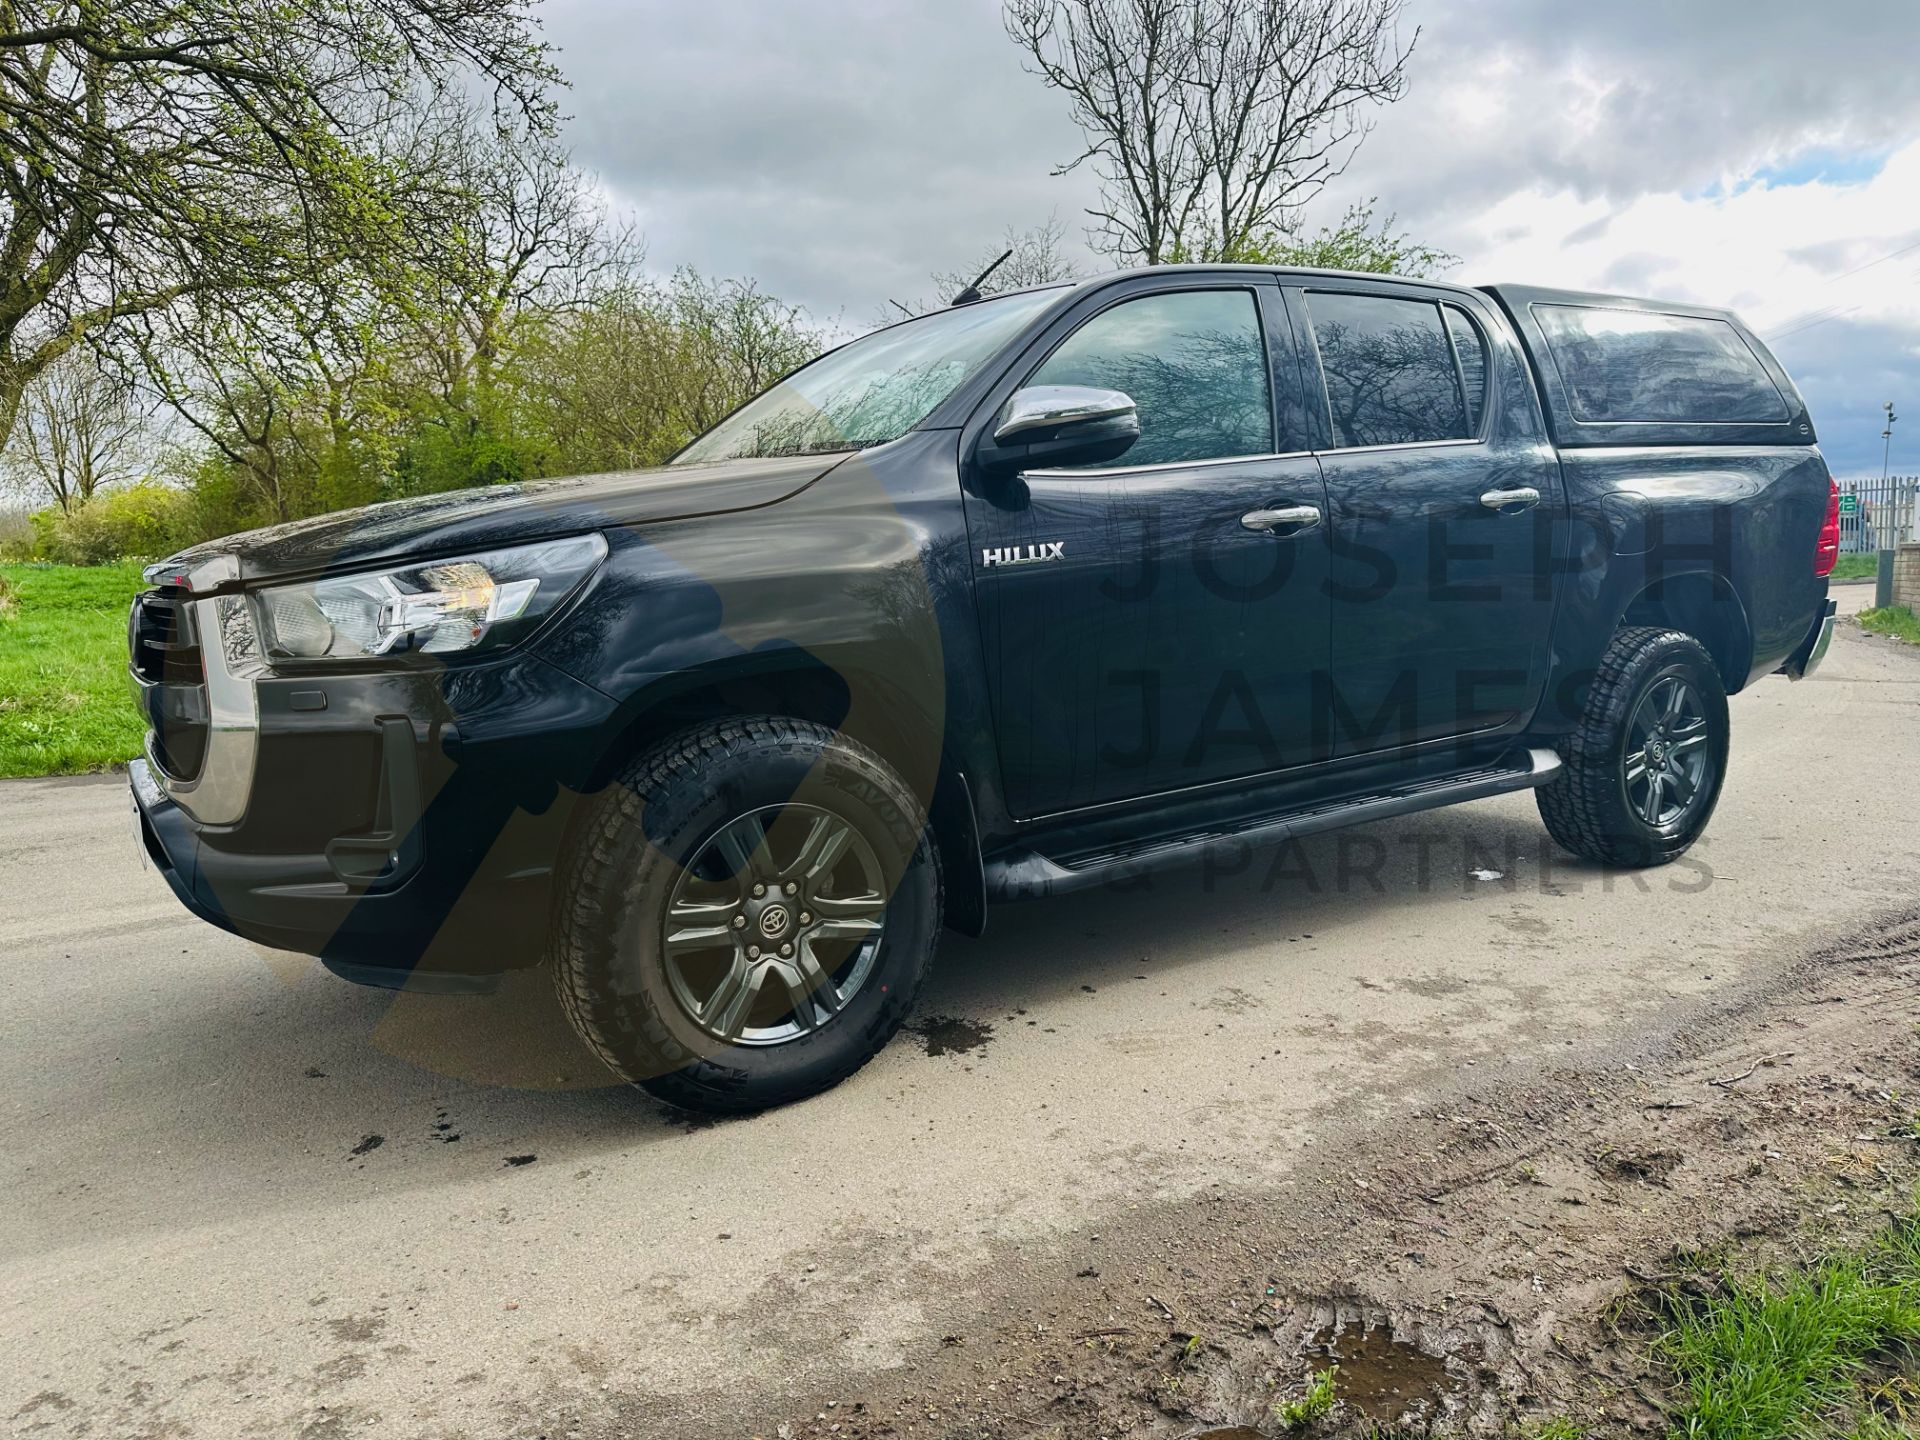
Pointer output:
873, 389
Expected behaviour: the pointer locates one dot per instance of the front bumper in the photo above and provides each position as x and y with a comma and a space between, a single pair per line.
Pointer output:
402, 826
1812, 650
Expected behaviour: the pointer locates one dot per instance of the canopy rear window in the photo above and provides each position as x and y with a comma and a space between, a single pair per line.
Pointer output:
1642, 367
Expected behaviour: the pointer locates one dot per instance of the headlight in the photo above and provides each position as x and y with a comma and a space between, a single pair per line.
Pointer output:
473, 602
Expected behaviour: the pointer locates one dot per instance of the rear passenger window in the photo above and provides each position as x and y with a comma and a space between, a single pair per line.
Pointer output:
1636, 366
1391, 378
1470, 349
1195, 365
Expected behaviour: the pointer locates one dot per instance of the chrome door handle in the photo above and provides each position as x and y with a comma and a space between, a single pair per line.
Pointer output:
1508, 502
1302, 517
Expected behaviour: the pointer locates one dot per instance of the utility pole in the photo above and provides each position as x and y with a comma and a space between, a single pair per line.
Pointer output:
1883, 584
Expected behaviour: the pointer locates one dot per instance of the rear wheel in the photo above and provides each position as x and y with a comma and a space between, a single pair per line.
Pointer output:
747, 915
1645, 765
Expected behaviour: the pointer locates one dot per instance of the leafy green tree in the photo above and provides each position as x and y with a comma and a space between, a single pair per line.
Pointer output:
162, 161
1357, 242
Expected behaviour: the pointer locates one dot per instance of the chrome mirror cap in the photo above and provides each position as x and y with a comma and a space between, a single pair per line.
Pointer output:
1040, 407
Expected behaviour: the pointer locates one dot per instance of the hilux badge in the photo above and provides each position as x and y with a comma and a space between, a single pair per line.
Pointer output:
1024, 554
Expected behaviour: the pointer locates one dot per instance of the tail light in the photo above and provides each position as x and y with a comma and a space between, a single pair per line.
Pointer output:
1827, 550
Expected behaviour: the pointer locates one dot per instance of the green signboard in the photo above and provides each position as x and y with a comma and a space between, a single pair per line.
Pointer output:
1849, 504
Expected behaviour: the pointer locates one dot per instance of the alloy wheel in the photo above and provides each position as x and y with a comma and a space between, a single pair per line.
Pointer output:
1665, 767
775, 925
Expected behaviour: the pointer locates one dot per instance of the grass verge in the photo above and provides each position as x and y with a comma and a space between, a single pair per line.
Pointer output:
1830, 1350
64, 708
1895, 620
1856, 567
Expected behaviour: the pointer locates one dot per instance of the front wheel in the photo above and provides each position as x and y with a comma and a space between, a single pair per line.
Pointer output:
1645, 764
747, 914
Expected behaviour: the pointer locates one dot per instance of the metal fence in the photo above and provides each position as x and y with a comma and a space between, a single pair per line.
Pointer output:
1876, 514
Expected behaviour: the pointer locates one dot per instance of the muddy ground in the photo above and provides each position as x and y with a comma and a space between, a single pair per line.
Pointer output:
1427, 1081
1481, 1266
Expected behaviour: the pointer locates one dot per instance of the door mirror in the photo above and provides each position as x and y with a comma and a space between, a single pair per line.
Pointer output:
1061, 425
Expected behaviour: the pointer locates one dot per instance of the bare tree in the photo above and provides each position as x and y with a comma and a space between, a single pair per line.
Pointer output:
1038, 258
1209, 121
1034, 256
532, 241
80, 429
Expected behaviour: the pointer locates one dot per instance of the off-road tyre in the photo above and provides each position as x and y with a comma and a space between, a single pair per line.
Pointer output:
626, 855
1587, 807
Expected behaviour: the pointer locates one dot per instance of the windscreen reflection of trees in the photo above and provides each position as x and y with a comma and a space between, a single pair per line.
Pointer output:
884, 408
870, 391
1391, 383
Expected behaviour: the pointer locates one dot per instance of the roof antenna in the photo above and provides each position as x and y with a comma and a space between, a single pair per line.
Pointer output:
972, 292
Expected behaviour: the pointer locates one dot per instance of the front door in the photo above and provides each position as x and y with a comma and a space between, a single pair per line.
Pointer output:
1445, 508
1157, 622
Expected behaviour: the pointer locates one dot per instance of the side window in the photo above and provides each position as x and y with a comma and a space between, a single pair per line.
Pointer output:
1390, 373
1470, 349
1637, 366
1194, 363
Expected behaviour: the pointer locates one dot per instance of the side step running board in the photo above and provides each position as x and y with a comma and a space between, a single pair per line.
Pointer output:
1027, 874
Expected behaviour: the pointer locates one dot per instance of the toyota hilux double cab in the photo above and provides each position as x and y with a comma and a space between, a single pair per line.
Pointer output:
1036, 593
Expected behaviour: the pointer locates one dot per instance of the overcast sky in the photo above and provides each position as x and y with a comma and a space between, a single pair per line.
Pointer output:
1751, 153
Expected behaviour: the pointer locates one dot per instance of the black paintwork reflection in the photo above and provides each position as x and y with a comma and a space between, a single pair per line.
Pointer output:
490, 516
1168, 646
1441, 608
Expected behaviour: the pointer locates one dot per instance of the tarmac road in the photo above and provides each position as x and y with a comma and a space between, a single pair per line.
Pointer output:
245, 1198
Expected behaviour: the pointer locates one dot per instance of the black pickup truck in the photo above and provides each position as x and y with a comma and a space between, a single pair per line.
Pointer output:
1028, 595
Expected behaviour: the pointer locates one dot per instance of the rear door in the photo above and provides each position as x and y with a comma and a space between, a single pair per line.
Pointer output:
1445, 509
1148, 626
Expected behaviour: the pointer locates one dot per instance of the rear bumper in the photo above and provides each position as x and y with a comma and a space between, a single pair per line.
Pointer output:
1812, 650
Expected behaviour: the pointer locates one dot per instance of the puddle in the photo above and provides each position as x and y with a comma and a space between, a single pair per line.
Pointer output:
950, 1035
1380, 1377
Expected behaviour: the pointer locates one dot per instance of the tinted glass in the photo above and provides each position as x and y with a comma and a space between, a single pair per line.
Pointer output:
1194, 364
873, 389
1470, 348
1390, 372
1634, 365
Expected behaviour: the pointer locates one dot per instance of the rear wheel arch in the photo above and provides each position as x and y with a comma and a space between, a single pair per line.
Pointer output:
1705, 605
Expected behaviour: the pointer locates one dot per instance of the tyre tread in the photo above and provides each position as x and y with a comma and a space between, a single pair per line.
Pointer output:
591, 880
1578, 806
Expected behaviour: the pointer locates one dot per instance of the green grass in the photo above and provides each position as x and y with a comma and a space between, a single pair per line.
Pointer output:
1315, 1402
1895, 620
1797, 1355
64, 708
1856, 567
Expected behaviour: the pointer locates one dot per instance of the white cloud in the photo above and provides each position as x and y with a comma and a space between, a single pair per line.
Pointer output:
1779, 254
840, 151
